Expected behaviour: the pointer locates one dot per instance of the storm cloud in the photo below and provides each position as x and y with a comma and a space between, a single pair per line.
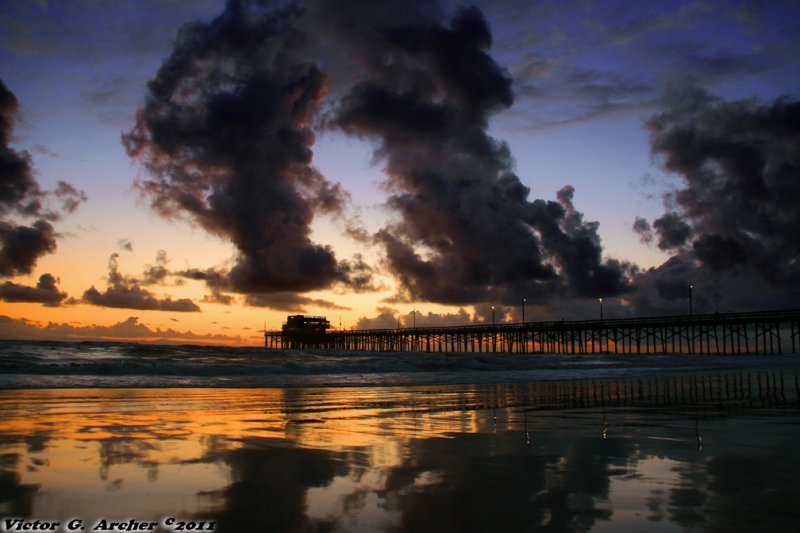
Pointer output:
19, 194
465, 229
225, 136
22, 245
733, 220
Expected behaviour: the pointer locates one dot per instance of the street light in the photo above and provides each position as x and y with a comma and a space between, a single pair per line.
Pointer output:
601, 308
523, 310
691, 313
494, 335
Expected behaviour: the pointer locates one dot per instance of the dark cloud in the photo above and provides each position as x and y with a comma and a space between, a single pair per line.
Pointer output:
225, 136
19, 190
46, 292
216, 280
126, 293
289, 301
218, 297
735, 211
672, 231
23, 245
156, 274
466, 230
20, 195
642, 228
69, 196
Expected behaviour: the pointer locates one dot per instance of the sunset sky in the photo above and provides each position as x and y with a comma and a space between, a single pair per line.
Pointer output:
194, 170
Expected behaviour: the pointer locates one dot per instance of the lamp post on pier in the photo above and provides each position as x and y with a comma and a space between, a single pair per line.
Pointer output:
494, 335
691, 311
601, 308
523, 310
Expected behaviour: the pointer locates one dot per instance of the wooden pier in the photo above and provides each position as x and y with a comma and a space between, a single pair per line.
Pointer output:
765, 332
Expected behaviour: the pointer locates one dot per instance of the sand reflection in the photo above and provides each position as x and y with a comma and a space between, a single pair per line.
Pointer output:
695, 452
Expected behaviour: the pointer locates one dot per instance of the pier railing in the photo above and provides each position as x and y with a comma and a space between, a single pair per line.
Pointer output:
768, 332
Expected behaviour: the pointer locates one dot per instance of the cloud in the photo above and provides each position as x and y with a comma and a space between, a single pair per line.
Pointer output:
20, 195
465, 230
11, 328
216, 280
672, 231
555, 55
225, 136
288, 301
69, 196
46, 292
217, 297
125, 245
389, 318
22, 246
736, 207
156, 274
642, 228
732, 221
126, 293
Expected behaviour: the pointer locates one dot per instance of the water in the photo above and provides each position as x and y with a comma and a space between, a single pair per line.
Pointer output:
106, 364
687, 453
256, 440
109, 364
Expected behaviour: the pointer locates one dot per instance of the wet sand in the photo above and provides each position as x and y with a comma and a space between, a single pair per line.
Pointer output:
705, 452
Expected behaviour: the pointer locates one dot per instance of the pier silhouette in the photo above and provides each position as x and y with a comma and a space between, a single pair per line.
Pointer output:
766, 332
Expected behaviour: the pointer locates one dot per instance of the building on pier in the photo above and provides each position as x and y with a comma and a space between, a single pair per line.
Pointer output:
300, 331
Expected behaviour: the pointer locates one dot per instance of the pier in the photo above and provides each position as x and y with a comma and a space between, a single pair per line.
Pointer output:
764, 332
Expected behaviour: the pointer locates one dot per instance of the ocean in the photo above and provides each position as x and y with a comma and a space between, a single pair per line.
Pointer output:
25, 364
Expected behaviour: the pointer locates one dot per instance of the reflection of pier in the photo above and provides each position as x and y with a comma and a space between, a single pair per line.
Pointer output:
771, 332
734, 389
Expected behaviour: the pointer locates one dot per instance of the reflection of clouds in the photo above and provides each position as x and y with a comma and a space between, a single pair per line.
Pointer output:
655, 503
487, 482
755, 491
118, 451
268, 487
16, 498
470, 458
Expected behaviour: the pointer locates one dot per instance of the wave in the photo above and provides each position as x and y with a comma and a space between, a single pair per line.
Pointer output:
29, 364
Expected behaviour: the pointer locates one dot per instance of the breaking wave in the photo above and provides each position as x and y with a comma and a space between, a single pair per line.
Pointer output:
28, 364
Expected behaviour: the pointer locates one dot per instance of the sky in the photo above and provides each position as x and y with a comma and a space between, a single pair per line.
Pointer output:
195, 171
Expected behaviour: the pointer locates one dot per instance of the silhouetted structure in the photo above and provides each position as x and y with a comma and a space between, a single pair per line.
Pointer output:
770, 332
301, 330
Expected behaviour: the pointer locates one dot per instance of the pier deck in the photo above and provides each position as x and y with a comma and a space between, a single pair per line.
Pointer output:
768, 332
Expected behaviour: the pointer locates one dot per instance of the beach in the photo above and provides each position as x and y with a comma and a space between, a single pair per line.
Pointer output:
699, 451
